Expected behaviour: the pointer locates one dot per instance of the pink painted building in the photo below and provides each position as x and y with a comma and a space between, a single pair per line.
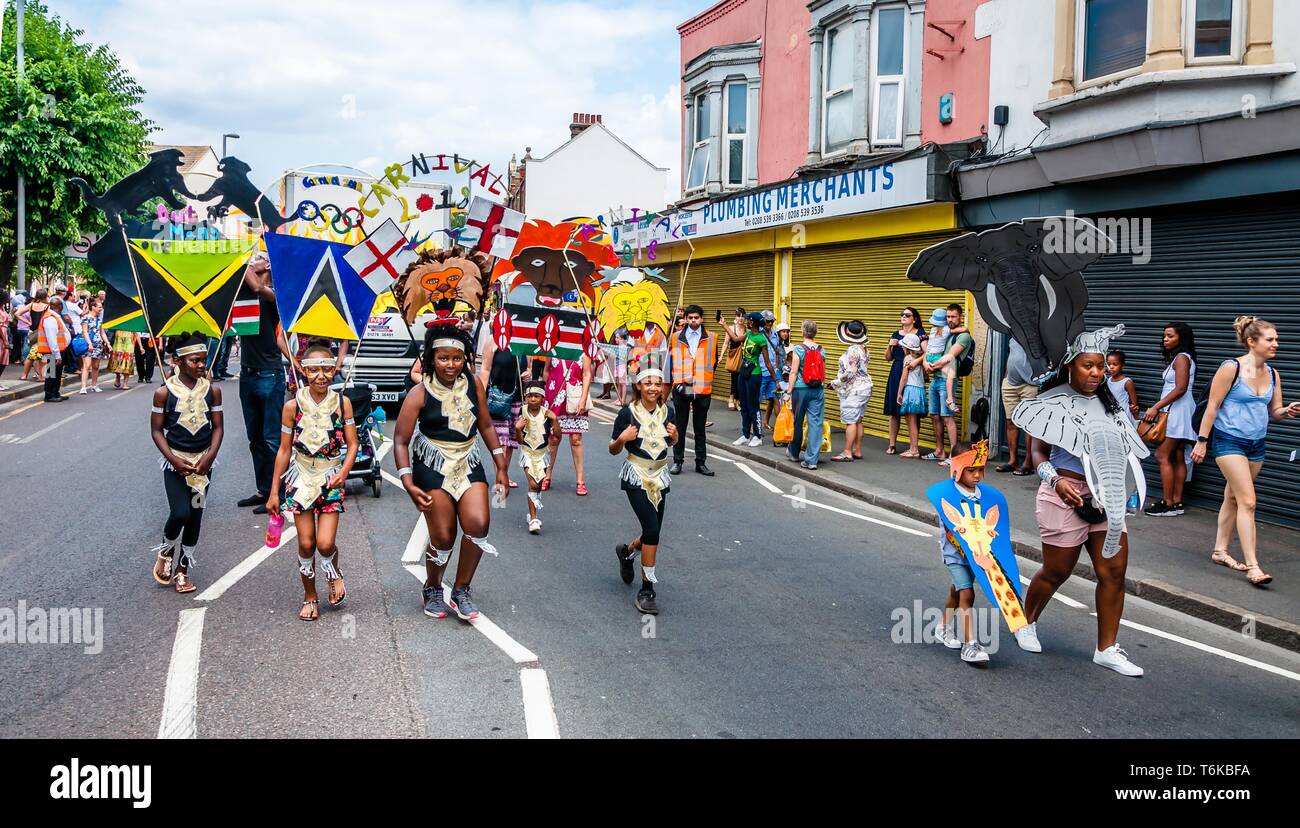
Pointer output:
955, 64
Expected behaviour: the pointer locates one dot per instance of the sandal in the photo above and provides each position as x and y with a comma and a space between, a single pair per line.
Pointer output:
892, 450
1263, 578
165, 577
514, 485
911, 455
1022, 472
184, 584
842, 458
1003, 468
308, 611
857, 457
341, 591
582, 489
935, 456
1224, 559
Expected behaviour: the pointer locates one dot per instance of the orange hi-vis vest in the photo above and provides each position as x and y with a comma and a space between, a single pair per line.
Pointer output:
61, 339
694, 367
652, 341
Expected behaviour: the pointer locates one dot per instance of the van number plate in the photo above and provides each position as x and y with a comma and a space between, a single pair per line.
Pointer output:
384, 396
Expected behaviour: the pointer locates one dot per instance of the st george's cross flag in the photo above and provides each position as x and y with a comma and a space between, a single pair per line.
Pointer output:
189, 286
531, 330
316, 291
498, 227
381, 257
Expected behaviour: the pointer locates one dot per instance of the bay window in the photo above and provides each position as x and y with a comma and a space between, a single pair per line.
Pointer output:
1112, 37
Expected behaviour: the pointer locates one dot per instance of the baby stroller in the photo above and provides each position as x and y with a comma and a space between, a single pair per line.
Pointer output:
365, 467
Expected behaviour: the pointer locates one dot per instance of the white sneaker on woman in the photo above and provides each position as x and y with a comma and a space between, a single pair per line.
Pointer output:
1116, 659
740, 441
1027, 638
755, 442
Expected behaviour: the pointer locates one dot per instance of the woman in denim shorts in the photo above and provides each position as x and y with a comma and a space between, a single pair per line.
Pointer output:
1245, 394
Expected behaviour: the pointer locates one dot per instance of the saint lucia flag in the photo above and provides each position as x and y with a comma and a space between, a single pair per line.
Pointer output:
316, 291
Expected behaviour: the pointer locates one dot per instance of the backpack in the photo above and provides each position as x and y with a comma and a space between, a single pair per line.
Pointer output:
813, 369
966, 363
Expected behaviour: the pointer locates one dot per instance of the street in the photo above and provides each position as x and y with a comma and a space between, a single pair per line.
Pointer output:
780, 613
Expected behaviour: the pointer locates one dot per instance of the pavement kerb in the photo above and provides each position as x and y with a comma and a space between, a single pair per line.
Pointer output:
1143, 584
13, 394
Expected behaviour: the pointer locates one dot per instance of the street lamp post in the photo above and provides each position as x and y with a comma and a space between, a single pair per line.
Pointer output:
223, 142
21, 240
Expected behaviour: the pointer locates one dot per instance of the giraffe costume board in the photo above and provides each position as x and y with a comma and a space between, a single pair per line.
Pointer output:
980, 528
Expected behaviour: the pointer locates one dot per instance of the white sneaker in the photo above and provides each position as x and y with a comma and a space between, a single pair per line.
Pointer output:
1027, 638
973, 653
534, 527
1116, 659
82, 391
944, 635
755, 442
740, 441
95, 389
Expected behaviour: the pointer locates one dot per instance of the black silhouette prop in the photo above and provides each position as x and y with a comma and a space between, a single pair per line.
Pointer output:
235, 190
160, 178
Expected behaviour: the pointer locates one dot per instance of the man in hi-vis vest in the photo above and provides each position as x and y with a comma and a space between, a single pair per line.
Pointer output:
692, 356
52, 341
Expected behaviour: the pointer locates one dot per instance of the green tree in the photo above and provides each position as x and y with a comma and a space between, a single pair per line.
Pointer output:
75, 114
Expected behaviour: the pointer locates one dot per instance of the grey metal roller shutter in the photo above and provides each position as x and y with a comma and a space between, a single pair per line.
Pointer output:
1210, 264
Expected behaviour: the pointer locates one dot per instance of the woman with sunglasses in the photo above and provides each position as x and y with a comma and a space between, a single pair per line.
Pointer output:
909, 323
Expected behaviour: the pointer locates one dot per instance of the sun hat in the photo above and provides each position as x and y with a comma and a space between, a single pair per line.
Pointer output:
939, 317
782, 326
852, 332
911, 342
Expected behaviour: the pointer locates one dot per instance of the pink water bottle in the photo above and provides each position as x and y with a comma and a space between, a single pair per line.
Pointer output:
274, 527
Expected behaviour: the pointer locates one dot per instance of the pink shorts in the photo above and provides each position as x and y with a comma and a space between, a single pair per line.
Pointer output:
1059, 524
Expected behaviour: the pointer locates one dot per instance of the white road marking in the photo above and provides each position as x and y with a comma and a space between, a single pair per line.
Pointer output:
859, 516
180, 699
50, 427
714, 455
1206, 648
27, 407
392, 479
517, 652
760, 481
415, 547
244, 567
539, 709
1064, 599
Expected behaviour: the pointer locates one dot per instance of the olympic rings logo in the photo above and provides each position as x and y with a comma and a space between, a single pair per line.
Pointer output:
319, 217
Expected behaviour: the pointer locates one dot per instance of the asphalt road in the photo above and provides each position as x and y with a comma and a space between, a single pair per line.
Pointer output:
778, 618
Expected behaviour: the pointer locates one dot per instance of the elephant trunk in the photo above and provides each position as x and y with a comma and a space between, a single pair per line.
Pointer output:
1106, 468
1017, 282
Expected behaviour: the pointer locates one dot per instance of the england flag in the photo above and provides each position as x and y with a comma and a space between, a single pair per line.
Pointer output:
381, 257
498, 227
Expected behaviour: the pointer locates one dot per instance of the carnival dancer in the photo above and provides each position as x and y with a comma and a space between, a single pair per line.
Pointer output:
976, 548
318, 444
187, 426
440, 424
1087, 477
533, 429
646, 429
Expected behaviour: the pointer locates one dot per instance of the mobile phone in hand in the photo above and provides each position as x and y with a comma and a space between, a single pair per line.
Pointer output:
719, 317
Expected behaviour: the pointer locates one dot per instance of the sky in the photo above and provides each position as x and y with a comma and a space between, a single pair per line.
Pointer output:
367, 84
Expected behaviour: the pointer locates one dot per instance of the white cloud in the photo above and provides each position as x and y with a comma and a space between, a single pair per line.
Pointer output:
340, 81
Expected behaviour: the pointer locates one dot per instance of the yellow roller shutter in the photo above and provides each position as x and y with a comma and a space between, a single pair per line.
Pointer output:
723, 284
866, 280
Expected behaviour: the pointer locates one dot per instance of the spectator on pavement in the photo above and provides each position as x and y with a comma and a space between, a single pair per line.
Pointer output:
853, 384
910, 397
909, 323
30, 315
93, 320
1174, 454
1245, 394
1017, 386
4, 334
807, 395
731, 353
19, 325
959, 346
754, 354
262, 381
691, 361
770, 393
122, 361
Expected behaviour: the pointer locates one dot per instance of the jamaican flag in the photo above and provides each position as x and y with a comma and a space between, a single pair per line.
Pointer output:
122, 312
189, 286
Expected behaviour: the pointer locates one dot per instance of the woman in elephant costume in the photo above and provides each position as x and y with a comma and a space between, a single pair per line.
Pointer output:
1088, 456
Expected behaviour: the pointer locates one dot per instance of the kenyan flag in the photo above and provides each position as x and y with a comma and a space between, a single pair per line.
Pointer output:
529, 330
244, 319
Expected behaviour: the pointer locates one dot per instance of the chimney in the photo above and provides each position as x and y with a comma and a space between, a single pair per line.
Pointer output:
582, 120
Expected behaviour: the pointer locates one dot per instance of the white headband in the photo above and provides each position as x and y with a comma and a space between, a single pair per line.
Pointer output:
191, 349
649, 373
448, 342
318, 362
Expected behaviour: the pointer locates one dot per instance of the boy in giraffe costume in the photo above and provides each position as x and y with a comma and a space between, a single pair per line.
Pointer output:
976, 547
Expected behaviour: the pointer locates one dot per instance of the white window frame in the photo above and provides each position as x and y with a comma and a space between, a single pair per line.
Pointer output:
880, 80
844, 28
730, 85
1080, 42
698, 144
1237, 37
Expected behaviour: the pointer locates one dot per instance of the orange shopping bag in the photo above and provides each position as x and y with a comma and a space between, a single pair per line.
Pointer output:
783, 431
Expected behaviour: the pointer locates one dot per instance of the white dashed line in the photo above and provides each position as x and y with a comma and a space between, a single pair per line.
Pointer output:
757, 479
180, 699
860, 516
50, 427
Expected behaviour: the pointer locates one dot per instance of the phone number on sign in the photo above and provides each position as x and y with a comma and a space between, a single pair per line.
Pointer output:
788, 215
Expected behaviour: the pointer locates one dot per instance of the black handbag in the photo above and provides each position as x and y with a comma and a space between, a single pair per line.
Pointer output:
1089, 512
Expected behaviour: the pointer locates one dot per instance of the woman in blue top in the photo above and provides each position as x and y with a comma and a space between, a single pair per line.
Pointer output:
1244, 395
